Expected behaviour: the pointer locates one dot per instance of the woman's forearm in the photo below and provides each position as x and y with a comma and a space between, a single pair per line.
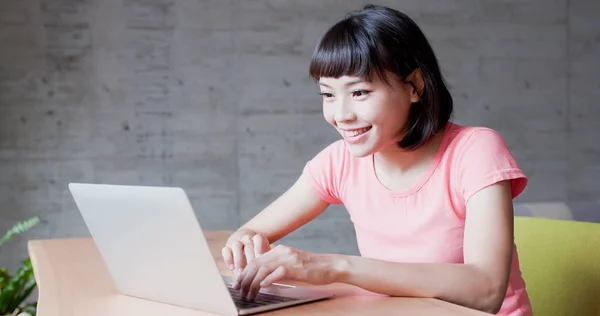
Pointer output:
463, 284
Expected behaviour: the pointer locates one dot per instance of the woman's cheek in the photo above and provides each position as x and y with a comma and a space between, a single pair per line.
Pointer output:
328, 115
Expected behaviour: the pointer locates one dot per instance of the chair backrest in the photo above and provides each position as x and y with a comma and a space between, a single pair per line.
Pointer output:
560, 263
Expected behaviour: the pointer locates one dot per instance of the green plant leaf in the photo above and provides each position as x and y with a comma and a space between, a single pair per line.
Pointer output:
19, 228
20, 298
19, 283
25, 285
14, 290
4, 278
28, 287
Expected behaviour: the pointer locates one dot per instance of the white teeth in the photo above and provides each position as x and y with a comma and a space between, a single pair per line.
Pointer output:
358, 131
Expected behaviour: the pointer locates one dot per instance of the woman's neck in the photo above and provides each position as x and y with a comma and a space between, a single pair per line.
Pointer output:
394, 160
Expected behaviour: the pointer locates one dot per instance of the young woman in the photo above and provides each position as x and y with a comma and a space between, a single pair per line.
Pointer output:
431, 200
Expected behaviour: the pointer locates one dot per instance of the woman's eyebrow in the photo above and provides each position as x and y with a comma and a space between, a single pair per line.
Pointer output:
347, 84
353, 82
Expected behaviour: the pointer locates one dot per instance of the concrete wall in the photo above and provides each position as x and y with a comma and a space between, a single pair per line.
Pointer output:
214, 96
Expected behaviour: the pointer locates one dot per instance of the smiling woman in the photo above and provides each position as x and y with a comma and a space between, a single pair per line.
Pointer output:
370, 114
389, 47
431, 201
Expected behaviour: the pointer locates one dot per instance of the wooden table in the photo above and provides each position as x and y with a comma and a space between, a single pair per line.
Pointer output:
73, 280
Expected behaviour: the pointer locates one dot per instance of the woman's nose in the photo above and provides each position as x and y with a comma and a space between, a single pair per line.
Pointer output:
344, 113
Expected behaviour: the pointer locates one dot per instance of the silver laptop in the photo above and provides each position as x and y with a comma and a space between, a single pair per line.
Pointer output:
154, 248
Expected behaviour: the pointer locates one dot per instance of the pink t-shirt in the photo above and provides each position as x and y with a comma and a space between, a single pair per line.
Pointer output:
424, 223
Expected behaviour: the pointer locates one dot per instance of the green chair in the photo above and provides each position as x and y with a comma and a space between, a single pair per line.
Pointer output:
560, 263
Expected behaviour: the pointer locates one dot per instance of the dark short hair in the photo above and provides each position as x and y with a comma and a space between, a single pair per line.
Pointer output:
375, 39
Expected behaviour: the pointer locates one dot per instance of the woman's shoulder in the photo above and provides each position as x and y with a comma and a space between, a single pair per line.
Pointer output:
338, 161
460, 137
462, 131
335, 150
479, 156
331, 157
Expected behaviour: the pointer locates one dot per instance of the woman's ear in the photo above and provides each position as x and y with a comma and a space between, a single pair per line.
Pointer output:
417, 83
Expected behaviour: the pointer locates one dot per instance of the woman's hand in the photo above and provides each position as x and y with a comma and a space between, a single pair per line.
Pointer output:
242, 248
285, 262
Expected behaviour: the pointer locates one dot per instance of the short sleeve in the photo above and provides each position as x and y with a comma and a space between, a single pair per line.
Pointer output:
485, 160
324, 171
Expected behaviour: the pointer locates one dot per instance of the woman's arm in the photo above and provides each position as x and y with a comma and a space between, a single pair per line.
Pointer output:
479, 283
297, 206
294, 208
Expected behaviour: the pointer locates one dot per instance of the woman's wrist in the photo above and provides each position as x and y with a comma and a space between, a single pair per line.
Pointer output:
339, 267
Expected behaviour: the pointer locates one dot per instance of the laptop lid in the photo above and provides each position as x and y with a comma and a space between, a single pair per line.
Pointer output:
153, 245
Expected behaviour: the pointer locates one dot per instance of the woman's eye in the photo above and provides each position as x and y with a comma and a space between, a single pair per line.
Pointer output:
326, 94
359, 93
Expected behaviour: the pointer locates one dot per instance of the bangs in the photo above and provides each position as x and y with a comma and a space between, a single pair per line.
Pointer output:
347, 50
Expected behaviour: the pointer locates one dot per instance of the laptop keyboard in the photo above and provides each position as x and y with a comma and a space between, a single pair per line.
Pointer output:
261, 299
